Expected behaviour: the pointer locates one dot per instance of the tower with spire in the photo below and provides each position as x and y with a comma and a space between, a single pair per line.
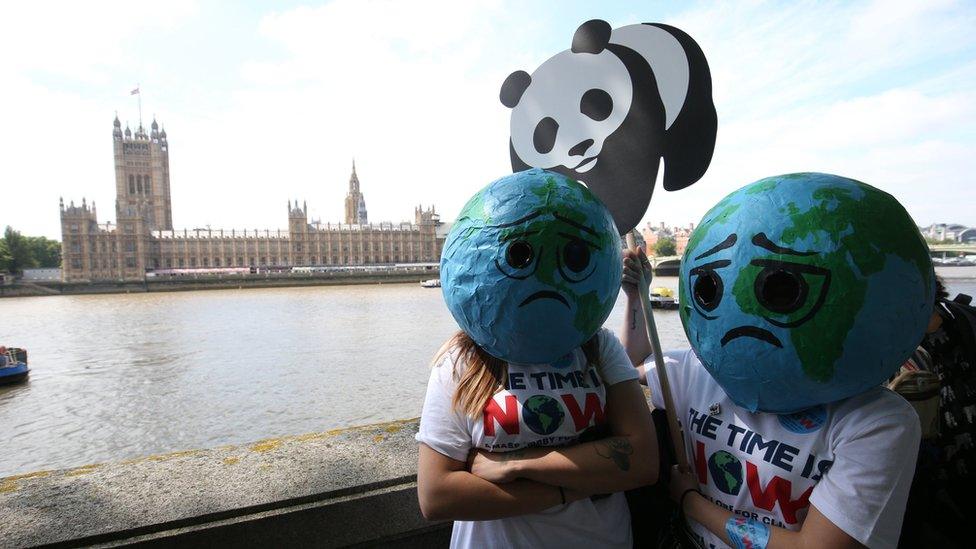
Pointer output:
355, 203
142, 174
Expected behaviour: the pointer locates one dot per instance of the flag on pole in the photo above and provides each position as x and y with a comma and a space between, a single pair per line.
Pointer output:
134, 92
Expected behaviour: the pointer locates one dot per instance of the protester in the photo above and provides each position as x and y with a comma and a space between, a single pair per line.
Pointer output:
530, 271
946, 472
789, 448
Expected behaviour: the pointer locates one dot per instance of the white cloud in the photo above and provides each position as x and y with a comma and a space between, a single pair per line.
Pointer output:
880, 91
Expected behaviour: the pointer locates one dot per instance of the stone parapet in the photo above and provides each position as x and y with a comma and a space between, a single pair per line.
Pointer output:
336, 488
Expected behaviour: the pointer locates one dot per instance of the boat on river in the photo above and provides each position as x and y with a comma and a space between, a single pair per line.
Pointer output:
13, 365
663, 298
432, 283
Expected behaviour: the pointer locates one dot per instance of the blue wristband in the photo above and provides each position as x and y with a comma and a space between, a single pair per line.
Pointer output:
747, 533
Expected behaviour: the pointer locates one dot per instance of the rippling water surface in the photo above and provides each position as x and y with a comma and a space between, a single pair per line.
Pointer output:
120, 376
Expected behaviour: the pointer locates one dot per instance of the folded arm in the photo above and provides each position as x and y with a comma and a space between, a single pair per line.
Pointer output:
447, 491
623, 461
817, 531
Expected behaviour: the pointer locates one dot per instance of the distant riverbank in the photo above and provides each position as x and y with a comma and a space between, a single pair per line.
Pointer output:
235, 282
238, 282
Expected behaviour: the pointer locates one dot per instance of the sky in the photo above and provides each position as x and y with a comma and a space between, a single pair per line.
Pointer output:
265, 103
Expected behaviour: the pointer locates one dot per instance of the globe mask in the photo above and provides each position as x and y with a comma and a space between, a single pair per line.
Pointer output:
804, 289
531, 268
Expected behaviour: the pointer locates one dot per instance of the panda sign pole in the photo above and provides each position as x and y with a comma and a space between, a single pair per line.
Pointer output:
605, 112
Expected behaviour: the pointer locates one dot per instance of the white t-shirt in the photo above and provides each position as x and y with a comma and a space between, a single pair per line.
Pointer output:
542, 405
853, 459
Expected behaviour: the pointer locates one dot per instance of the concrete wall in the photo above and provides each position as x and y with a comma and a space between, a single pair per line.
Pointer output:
336, 488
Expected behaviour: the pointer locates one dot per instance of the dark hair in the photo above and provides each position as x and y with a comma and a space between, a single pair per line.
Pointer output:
940, 289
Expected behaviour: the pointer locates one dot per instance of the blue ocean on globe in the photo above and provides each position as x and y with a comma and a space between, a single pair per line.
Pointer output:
804, 289
531, 268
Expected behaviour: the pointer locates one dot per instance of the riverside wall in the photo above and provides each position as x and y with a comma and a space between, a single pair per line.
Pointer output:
174, 284
345, 487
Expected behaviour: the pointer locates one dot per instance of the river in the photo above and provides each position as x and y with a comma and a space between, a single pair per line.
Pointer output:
122, 376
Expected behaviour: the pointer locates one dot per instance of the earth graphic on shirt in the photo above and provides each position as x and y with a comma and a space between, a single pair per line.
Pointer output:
804, 289
543, 414
726, 472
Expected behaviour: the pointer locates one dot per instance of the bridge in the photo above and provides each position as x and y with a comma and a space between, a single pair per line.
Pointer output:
669, 265
666, 265
957, 248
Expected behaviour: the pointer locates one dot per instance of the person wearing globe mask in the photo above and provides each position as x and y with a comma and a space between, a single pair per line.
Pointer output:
800, 294
531, 270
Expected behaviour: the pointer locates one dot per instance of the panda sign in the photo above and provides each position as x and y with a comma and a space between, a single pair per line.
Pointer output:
605, 112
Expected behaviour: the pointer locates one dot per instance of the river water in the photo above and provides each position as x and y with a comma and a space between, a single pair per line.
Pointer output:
122, 376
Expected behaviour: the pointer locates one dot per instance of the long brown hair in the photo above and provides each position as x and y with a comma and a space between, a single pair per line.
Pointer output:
484, 375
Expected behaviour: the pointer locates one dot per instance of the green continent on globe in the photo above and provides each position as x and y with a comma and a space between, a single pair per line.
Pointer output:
589, 311
851, 246
543, 414
726, 472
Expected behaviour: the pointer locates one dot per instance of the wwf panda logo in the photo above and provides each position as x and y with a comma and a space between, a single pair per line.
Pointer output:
605, 112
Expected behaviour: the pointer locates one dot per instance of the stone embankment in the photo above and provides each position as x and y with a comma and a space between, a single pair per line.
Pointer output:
174, 284
336, 488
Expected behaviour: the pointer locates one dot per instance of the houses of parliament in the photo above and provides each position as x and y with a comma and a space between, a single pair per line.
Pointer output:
143, 240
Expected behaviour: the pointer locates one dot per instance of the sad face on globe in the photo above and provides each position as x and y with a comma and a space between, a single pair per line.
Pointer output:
804, 289
531, 268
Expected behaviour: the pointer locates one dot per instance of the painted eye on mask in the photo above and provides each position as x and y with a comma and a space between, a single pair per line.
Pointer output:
791, 293
707, 286
575, 259
519, 255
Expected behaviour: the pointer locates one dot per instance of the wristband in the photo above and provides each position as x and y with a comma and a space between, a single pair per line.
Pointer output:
681, 500
745, 532
562, 494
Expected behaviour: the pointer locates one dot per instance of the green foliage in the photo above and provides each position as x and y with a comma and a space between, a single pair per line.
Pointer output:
19, 252
665, 246
6, 260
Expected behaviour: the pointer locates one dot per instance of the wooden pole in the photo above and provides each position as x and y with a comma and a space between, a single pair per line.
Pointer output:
676, 437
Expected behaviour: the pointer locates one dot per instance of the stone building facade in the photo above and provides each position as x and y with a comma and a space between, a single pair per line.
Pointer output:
143, 239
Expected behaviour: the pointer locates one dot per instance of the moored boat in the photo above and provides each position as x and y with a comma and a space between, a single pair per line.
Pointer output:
663, 298
13, 365
432, 283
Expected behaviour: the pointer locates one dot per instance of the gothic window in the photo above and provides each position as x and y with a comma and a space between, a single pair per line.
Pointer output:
264, 261
206, 262
130, 246
216, 262
181, 262
230, 261
75, 247
132, 184
193, 262
76, 263
148, 187
240, 261
139, 184
130, 262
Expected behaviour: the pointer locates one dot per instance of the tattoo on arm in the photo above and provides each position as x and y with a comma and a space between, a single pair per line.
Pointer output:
633, 319
617, 449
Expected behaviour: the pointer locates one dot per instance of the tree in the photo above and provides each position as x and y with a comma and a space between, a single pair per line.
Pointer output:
665, 246
19, 252
6, 260
46, 252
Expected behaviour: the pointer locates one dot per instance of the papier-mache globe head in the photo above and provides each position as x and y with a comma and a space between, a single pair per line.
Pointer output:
531, 268
804, 289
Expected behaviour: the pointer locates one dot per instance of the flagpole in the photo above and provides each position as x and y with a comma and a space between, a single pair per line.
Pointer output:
139, 93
